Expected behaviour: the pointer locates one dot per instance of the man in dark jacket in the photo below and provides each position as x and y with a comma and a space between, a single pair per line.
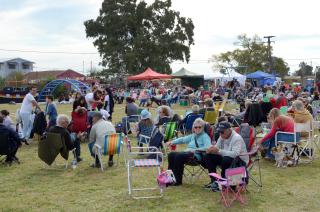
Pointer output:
14, 142
71, 140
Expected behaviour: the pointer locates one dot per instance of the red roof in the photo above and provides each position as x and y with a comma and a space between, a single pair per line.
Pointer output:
149, 74
70, 74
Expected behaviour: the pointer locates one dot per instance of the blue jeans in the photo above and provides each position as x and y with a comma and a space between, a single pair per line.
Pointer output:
76, 143
27, 124
270, 143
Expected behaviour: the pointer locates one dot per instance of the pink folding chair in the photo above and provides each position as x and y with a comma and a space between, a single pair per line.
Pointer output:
233, 186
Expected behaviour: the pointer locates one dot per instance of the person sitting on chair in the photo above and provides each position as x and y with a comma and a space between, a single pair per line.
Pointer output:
279, 123
15, 142
99, 130
300, 113
197, 141
195, 111
208, 103
164, 115
229, 146
145, 127
131, 110
7, 121
71, 140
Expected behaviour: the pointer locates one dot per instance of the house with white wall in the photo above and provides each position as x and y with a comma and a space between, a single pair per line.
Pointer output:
8, 66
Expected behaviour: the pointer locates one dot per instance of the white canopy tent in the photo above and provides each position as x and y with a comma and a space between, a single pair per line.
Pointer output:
224, 78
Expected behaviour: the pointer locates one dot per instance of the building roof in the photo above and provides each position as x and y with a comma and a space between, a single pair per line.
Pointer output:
14, 60
56, 74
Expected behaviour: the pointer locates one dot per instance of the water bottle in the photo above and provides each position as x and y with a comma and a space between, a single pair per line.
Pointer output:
74, 163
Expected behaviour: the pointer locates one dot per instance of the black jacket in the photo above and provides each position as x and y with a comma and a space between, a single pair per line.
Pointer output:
40, 123
9, 140
65, 134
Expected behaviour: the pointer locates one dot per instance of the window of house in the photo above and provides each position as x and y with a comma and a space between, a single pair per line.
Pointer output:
11, 65
25, 66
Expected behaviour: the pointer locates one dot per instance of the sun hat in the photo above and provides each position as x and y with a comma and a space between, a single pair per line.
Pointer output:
145, 114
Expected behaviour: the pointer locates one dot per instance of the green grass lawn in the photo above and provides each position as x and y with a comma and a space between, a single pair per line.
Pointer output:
31, 186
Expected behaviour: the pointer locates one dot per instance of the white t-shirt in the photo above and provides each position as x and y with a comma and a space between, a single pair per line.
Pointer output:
107, 99
89, 98
26, 106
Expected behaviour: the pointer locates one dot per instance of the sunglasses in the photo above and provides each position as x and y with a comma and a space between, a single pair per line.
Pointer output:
197, 127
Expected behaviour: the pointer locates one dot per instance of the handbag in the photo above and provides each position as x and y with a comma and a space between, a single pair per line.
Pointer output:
166, 178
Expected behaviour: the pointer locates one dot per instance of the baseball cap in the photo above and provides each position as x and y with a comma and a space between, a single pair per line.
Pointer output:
223, 125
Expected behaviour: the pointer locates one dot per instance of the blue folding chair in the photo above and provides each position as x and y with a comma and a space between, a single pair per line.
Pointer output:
187, 127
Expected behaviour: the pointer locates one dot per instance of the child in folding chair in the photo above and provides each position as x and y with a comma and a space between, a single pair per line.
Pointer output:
197, 141
145, 127
229, 146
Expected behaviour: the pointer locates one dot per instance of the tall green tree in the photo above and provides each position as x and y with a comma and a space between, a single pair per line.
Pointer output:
304, 70
131, 35
252, 56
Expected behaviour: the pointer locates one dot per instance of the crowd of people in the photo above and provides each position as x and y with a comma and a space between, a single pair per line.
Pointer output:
92, 115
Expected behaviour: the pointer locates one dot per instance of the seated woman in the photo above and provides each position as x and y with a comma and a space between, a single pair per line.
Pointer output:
145, 127
143, 97
279, 123
197, 141
164, 115
7, 121
300, 113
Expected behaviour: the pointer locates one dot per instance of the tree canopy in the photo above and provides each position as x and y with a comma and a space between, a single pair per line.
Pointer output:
252, 56
132, 35
304, 70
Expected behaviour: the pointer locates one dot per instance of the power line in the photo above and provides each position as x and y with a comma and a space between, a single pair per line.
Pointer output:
46, 52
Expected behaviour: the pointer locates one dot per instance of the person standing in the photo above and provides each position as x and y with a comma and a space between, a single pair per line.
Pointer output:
26, 112
109, 103
51, 111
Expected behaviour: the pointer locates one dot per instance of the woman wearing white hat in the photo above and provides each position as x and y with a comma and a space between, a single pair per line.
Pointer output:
145, 127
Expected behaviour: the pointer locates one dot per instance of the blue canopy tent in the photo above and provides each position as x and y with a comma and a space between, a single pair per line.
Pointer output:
262, 77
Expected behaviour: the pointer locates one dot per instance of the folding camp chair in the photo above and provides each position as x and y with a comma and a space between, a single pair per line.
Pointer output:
112, 146
249, 136
316, 109
51, 146
193, 170
187, 127
316, 137
303, 146
170, 130
135, 164
133, 119
233, 187
211, 117
284, 110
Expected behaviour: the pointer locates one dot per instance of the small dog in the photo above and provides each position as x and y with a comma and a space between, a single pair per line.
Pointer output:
281, 156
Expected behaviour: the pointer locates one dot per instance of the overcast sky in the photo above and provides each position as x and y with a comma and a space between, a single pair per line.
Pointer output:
46, 25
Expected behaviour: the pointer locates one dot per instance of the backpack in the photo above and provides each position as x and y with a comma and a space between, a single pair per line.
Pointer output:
119, 127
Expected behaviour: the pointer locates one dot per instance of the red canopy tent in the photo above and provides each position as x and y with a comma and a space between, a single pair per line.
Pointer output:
149, 74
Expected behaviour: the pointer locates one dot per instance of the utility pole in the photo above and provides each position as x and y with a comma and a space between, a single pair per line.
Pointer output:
269, 53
